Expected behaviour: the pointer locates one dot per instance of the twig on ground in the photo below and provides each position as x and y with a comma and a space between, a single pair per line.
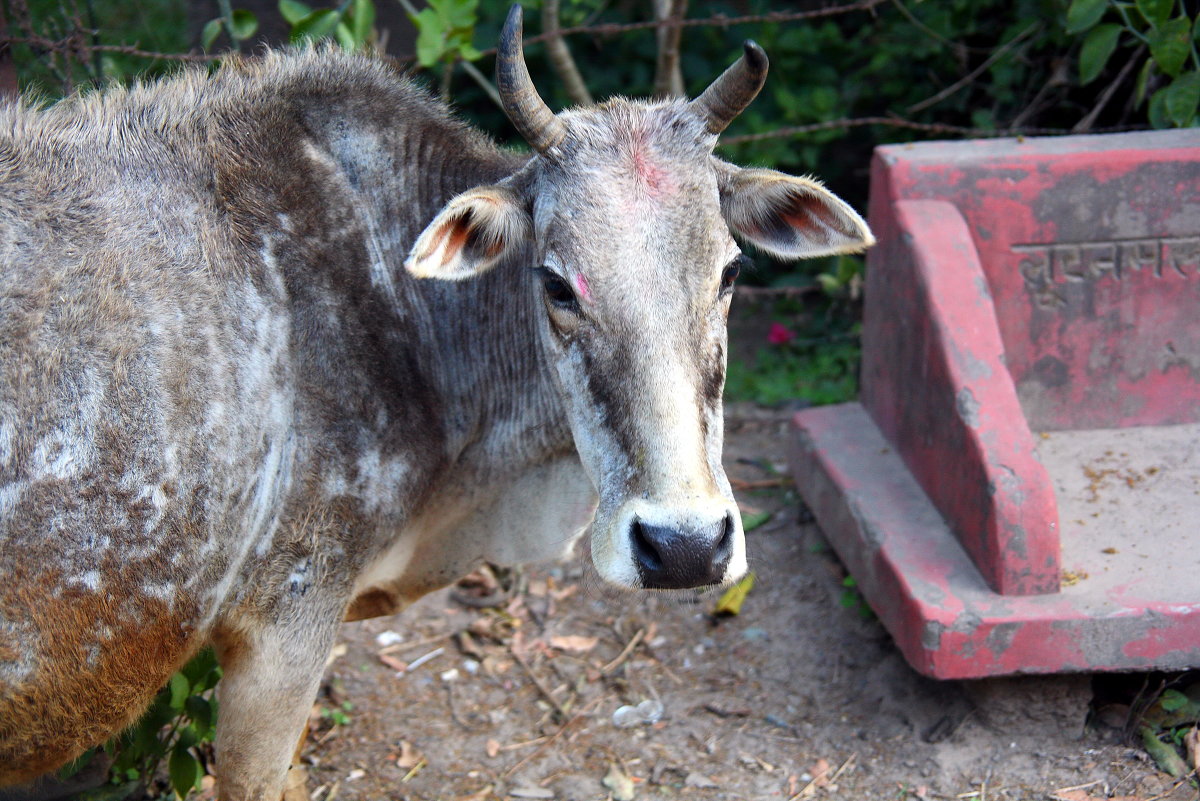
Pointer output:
404, 646
625, 652
542, 688
554, 737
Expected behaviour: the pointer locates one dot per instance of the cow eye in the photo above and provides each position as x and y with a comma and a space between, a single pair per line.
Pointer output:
557, 290
730, 275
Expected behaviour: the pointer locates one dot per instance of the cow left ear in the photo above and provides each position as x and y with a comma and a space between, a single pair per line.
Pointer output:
473, 233
789, 217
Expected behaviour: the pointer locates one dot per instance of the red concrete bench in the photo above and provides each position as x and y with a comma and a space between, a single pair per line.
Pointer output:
1019, 489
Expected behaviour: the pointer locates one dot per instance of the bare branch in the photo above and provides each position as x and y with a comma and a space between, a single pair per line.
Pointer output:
62, 46
975, 73
717, 20
1085, 124
483, 82
8, 70
898, 122
560, 56
668, 76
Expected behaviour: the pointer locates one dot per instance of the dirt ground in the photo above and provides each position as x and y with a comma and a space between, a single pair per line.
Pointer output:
801, 695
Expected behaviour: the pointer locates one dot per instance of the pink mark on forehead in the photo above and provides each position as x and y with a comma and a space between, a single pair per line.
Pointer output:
581, 286
653, 178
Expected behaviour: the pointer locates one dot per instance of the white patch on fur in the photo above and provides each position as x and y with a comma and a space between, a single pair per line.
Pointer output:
10, 496
7, 435
380, 480
89, 580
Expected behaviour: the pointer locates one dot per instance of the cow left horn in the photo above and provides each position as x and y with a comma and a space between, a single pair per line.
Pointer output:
528, 112
725, 97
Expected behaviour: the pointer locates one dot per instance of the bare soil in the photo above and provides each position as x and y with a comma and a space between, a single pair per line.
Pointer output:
801, 695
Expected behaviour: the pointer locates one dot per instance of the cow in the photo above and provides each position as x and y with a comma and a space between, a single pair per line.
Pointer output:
288, 344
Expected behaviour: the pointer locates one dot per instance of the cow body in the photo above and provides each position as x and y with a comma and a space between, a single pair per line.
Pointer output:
229, 415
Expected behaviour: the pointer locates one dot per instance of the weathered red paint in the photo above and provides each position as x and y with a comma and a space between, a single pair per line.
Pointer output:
1017, 285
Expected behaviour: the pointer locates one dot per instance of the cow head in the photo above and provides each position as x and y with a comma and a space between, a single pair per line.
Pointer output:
630, 219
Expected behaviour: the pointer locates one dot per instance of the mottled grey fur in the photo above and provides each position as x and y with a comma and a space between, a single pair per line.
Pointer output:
228, 414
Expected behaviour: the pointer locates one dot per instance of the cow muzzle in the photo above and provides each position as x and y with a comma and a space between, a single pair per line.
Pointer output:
655, 546
673, 557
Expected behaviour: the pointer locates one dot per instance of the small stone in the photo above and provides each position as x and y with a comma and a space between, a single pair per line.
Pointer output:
385, 638
531, 792
699, 780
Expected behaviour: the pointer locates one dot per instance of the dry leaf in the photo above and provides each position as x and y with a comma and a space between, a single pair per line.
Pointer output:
574, 643
408, 756
1191, 743
294, 787
335, 653
733, 598
619, 782
820, 773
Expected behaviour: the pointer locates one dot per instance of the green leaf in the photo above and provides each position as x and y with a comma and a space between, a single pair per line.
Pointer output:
1172, 700
180, 688
1097, 48
344, 37
293, 10
1083, 14
184, 771
1181, 101
362, 19
431, 37
1139, 87
753, 521
1166, 756
212, 29
317, 25
1169, 45
1155, 11
200, 710
202, 671
1157, 110
245, 24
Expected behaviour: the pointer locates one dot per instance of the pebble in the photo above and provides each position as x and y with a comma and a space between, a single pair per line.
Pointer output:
648, 711
386, 638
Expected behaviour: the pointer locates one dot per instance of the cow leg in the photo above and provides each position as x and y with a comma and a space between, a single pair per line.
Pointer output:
270, 678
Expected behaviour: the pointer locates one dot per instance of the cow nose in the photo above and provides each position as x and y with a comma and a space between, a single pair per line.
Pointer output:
670, 557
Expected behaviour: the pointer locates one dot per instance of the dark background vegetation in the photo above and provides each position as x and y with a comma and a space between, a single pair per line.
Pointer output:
844, 78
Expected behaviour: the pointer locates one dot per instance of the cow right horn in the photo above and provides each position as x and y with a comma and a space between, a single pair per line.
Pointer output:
733, 90
528, 112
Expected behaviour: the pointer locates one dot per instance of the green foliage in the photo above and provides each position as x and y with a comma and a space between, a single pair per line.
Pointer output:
239, 24
351, 24
445, 30
181, 718
1156, 32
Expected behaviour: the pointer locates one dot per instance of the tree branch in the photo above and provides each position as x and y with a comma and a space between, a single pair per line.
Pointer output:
975, 73
560, 56
668, 76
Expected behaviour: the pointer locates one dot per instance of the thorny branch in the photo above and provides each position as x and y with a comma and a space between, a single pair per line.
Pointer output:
560, 57
716, 20
668, 75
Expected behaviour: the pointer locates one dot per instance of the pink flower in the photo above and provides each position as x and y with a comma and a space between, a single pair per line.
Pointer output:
779, 335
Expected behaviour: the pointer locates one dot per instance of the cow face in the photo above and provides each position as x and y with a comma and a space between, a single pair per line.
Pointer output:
630, 218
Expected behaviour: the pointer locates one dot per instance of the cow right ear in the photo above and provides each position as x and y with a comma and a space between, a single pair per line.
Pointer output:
473, 233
